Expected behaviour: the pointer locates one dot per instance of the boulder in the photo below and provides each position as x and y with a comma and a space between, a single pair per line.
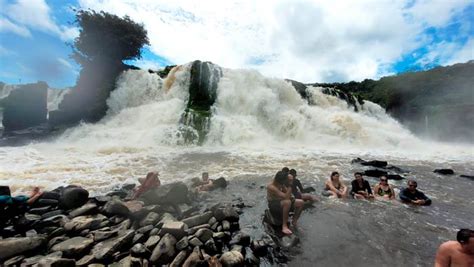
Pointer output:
240, 239
105, 249
86, 260
204, 234
444, 171
151, 219
165, 251
173, 193
81, 223
51, 261
225, 212
396, 177
179, 259
299, 87
74, 247
150, 244
183, 243
232, 258
198, 219
116, 207
195, 242
139, 250
177, 229
86, 209
15, 261
73, 197
194, 258
10, 247
25, 107
467, 176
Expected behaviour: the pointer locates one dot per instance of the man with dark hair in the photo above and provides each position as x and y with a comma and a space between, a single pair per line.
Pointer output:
361, 188
411, 195
280, 200
297, 187
457, 253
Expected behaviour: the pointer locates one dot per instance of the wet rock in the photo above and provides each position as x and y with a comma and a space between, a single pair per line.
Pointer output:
204, 234
195, 242
123, 226
51, 214
56, 240
218, 235
166, 217
210, 247
154, 231
15, 261
101, 200
56, 262
259, 247
212, 221
164, 251
86, 260
151, 219
232, 258
10, 247
467, 176
103, 235
87, 209
31, 233
185, 210
73, 247
198, 219
107, 248
375, 173
396, 177
179, 259
183, 243
225, 212
240, 239
46, 202
53, 221
145, 229
173, 193
31, 260
192, 231
40, 211
444, 171
250, 258
73, 197
194, 258
84, 222
177, 229
225, 225
214, 226
150, 244
116, 207
289, 241
139, 238
139, 250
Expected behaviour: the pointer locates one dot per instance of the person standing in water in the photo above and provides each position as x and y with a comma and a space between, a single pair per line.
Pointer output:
280, 200
384, 190
458, 253
335, 187
361, 188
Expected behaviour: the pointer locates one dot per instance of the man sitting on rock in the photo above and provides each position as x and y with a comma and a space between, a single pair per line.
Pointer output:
209, 184
149, 182
297, 188
411, 195
280, 200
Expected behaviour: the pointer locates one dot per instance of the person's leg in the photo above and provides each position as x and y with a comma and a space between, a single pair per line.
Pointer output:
285, 205
359, 196
309, 197
298, 209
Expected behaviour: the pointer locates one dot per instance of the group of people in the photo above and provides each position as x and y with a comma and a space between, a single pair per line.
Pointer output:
285, 193
361, 189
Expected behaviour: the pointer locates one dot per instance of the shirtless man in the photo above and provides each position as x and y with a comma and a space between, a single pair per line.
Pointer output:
280, 199
457, 253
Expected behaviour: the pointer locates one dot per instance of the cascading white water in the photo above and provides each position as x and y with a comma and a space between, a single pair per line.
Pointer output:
256, 122
55, 96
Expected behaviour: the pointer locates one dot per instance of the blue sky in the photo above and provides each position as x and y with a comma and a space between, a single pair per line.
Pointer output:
305, 40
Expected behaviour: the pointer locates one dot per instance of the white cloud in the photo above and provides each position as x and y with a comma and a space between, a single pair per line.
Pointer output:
35, 14
8, 26
4, 51
463, 54
304, 40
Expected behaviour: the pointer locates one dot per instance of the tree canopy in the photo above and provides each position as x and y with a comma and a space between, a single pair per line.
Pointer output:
104, 36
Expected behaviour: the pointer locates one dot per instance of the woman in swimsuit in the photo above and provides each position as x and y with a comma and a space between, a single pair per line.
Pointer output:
335, 187
384, 190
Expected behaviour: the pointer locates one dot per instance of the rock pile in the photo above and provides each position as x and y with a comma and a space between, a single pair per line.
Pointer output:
74, 229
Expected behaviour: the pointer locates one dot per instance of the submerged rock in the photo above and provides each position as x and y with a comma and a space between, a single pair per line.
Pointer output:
444, 171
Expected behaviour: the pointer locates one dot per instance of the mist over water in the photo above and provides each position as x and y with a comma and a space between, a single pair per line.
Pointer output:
259, 119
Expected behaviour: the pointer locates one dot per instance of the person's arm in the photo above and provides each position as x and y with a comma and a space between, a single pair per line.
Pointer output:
278, 193
404, 197
442, 256
376, 189
393, 192
426, 200
299, 185
369, 189
343, 188
331, 187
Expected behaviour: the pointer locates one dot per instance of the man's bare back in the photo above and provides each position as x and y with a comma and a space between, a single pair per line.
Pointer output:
452, 254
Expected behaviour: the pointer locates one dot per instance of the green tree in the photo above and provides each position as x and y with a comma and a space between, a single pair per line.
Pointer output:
107, 37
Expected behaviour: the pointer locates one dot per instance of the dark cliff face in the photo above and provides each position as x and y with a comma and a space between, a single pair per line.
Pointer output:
87, 100
25, 107
437, 103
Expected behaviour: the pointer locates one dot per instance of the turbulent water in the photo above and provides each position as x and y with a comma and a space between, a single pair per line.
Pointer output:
259, 125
